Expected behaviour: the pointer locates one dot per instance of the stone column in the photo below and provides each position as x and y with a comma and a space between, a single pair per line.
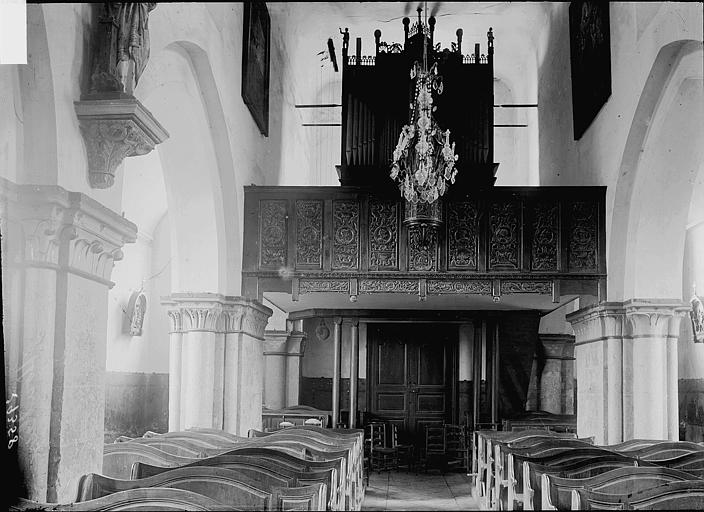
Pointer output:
274, 377
60, 248
295, 348
244, 364
557, 375
336, 359
650, 377
282, 367
624, 373
175, 362
219, 381
354, 372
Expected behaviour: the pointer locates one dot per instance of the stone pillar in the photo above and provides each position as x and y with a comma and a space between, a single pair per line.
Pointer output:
175, 362
282, 368
336, 359
59, 247
624, 372
219, 383
354, 372
556, 378
295, 348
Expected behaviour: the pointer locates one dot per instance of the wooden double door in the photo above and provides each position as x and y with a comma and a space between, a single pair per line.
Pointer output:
412, 376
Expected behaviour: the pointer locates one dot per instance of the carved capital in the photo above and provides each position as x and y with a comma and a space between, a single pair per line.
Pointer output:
636, 318
114, 129
66, 229
557, 346
213, 312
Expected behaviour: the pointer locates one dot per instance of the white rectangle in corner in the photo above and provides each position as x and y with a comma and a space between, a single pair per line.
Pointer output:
13, 32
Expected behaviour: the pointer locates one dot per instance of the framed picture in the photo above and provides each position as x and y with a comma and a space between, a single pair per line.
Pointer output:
255, 63
590, 56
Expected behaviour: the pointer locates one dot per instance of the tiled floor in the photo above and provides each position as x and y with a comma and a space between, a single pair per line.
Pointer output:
398, 490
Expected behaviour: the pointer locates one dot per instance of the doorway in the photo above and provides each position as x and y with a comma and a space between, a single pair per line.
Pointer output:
412, 374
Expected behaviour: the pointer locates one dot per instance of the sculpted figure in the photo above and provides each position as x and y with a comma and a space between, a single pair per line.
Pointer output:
132, 40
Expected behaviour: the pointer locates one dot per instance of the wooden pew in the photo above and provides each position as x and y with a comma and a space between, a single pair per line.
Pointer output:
556, 491
150, 498
527, 485
482, 457
503, 477
207, 439
686, 495
180, 446
119, 457
322, 446
691, 463
303, 472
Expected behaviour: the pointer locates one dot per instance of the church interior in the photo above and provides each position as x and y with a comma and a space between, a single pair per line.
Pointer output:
328, 255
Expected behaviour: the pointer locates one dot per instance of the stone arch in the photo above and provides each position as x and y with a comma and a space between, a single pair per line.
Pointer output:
179, 88
661, 157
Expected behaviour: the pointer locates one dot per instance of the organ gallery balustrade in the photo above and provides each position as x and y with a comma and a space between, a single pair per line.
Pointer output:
351, 240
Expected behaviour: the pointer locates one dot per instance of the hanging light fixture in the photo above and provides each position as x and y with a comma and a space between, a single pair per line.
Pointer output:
424, 159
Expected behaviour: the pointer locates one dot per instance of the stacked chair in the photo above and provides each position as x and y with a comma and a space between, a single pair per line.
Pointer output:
539, 469
303, 467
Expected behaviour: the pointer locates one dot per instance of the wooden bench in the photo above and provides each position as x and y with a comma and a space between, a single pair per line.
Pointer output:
119, 457
556, 491
686, 495
151, 498
303, 472
527, 485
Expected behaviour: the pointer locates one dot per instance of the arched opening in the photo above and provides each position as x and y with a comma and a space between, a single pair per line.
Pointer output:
658, 169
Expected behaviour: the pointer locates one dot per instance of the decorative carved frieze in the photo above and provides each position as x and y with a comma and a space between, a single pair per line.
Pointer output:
388, 286
272, 234
584, 241
324, 285
542, 287
383, 235
345, 243
216, 313
309, 233
114, 129
422, 249
66, 229
462, 235
544, 251
474, 287
504, 235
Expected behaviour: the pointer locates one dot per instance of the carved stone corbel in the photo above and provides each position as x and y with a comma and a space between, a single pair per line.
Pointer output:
114, 129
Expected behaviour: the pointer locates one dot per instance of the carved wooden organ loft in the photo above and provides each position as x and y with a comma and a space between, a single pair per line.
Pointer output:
353, 240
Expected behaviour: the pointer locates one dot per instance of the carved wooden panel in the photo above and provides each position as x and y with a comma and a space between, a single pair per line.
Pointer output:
422, 249
504, 235
462, 235
542, 287
474, 287
324, 285
388, 286
545, 226
272, 234
309, 233
584, 243
345, 242
383, 235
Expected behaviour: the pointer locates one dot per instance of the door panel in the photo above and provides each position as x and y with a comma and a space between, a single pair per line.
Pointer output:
412, 370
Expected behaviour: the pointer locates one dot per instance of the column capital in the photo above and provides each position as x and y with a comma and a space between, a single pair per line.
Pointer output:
631, 318
213, 312
64, 230
284, 343
557, 346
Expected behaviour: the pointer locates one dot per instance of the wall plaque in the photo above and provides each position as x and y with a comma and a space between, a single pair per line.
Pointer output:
255, 63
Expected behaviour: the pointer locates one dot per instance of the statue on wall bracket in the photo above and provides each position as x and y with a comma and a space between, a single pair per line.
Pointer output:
114, 124
134, 318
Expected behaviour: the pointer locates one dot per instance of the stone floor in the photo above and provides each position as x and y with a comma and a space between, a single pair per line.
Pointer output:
399, 490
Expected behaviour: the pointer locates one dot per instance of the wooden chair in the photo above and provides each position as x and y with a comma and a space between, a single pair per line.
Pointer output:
456, 446
382, 457
434, 446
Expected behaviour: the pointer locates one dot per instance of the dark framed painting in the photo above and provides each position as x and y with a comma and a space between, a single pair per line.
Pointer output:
255, 63
590, 56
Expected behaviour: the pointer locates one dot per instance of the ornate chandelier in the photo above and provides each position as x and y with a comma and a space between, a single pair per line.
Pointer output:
424, 160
